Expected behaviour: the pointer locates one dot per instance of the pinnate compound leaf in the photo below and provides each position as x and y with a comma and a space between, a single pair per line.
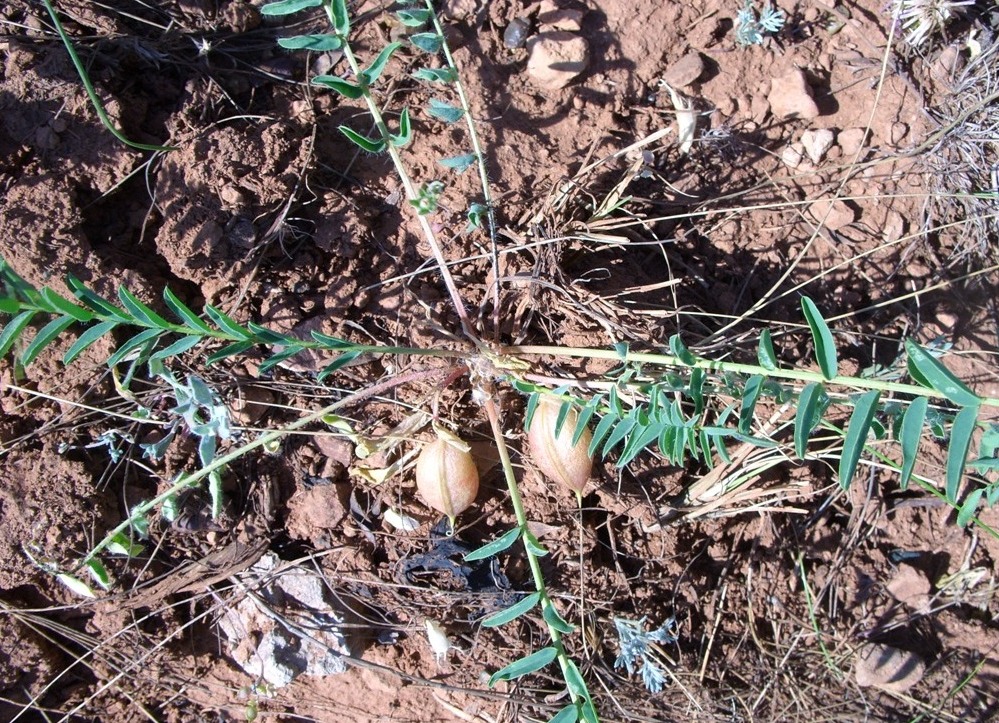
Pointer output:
45, 336
765, 352
825, 347
374, 71
341, 86
513, 612
750, 395
928, 371
444, 111
806, 416
287, 7
957, 453
569, 714
87, 338
427, 42
519, 668
316, 43
556, 621
371, 145
856, 435
504, 542
910, 435
458, 163
183, 313
13, 330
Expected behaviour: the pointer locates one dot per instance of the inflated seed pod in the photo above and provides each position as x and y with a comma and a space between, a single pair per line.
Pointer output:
560, 461
446, 475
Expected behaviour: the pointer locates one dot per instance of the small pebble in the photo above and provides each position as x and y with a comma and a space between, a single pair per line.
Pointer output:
791, 96
889, 668
817, 143
686, 71
515, 35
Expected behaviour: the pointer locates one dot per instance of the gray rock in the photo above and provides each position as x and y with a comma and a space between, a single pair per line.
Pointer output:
286, 627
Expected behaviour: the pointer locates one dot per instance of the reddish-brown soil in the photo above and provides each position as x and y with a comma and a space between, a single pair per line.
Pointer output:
266, 211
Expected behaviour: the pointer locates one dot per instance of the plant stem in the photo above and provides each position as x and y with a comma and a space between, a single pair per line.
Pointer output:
412, 195
518, 508
668, 360
271, 436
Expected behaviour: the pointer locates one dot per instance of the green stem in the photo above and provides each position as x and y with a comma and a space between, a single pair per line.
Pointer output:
266, 438
668, 360
518, 508
412, 195
89, 87
480, 159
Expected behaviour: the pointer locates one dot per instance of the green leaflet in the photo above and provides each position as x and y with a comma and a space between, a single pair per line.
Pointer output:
371, 145
765, 352
524, 666
458, 163
374, 71
405, 133
969, 507
569, 714
316, 43
413, 18
341, 19
58, 305
143, 339
444, 111
341, 86
183, 313
929, 372
140, 311
825, 347
681, 351
46, 335
856, 435
910, 436
556, 621
339, 363
226, 323
513, 612
287, 7
87, 338
806, 416
750, 395
495, 547
427, 42
13, 330
957, 453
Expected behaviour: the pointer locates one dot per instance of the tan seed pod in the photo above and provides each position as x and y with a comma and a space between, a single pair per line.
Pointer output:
446, 475
558, 459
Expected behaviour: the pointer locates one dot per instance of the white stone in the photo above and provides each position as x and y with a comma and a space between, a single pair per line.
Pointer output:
817, 143
792, 156
556, 59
